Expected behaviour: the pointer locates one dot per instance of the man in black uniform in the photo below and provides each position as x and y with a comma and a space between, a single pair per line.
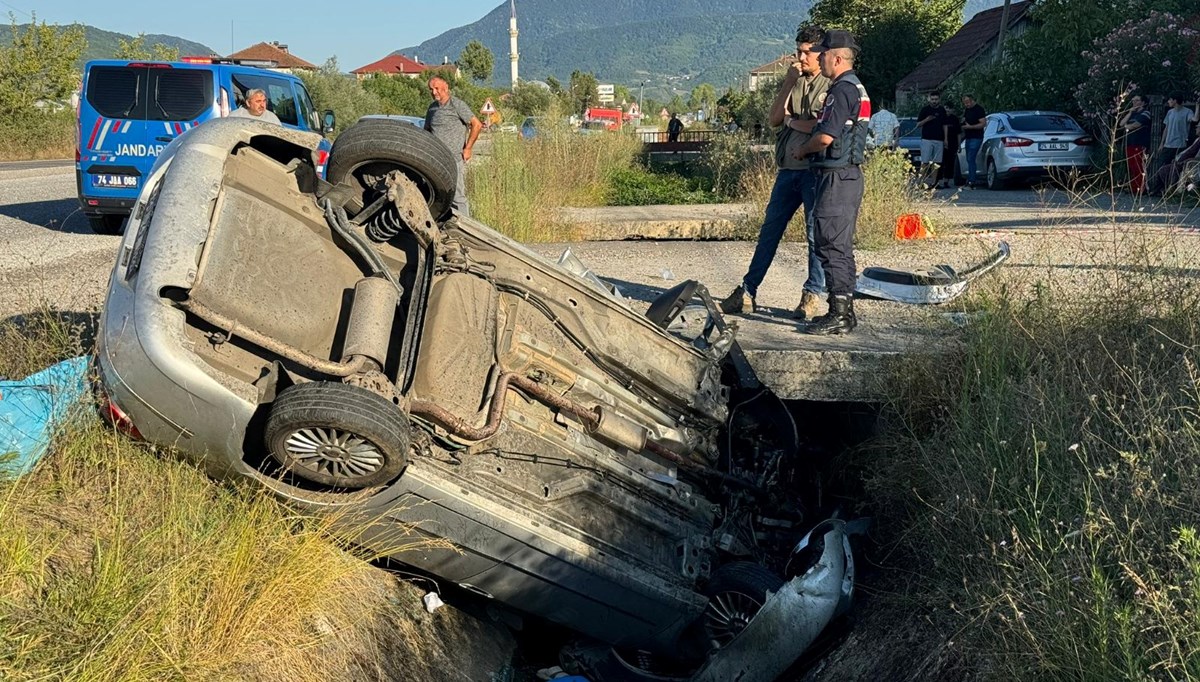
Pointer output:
838, 147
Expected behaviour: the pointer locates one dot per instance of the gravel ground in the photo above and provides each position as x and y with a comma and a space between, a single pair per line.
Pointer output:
49, 257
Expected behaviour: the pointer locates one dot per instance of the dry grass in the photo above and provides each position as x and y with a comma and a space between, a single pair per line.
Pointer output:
43, 136
1043, 487
116, 564
518, 187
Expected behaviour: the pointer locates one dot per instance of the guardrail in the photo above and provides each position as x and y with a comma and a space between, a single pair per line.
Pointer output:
684, 136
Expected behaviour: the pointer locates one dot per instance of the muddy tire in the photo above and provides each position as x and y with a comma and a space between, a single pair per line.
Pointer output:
994, 181
370, 149
735, 594
107, 224
338, 435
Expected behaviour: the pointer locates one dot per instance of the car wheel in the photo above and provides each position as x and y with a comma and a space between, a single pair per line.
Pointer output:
107, 224
338, 435
735, 594
994, 182
369, 150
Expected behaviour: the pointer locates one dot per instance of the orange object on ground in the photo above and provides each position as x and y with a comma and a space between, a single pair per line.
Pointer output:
911, 226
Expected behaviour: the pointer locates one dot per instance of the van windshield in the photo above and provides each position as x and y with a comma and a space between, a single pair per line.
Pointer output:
150, 94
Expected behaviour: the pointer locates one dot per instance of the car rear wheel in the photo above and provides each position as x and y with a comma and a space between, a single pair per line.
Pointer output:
338, 435
369, 150
107, 224
735, 595
994, 181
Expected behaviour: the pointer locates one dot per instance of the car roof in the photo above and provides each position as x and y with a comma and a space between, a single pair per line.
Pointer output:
417, 121
1032, 112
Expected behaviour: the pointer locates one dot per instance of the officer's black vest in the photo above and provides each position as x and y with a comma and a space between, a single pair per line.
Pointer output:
849, 148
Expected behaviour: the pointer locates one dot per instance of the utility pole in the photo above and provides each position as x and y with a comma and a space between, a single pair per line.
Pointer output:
642, 102
1003, 30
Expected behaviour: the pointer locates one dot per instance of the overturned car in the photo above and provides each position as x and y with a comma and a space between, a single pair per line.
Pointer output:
360, 350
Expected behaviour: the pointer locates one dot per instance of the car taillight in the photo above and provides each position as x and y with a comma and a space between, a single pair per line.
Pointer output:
322, 157
114, 415
151, 65
223, 103
1084, 141
1017, 141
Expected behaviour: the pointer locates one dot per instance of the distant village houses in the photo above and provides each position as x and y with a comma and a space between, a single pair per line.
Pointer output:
272, 55
770, 71
398, 65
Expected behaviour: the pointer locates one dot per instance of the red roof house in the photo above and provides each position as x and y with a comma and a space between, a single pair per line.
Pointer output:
273, 54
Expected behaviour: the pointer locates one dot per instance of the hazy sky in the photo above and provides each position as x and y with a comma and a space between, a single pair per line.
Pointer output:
357, 31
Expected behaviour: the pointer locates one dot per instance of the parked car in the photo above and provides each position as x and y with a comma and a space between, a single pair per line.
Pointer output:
1030, 145
358, 349
910, 139
130, 110
414, 121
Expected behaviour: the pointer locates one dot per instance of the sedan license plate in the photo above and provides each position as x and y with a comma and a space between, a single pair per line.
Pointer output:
1052, 146
106, 180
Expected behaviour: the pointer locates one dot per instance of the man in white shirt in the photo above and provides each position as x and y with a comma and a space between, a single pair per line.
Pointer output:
255, 107
884, 129
1175, 128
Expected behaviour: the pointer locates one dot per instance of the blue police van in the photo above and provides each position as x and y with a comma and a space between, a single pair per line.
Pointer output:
129, 111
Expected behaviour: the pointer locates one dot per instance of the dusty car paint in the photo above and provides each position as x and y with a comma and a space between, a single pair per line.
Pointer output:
585, 461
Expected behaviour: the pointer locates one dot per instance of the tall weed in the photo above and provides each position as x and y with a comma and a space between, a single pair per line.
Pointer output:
1045, 485
517, 188
38, 135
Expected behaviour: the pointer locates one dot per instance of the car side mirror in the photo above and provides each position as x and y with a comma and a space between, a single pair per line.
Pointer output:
328, 122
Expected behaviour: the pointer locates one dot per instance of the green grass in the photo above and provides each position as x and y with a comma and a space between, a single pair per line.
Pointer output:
1043, 487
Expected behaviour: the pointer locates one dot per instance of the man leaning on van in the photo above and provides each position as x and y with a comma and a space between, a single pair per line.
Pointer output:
255, 107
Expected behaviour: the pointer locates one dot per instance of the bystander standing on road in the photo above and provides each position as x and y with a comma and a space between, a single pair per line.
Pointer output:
255, 108
884, 128
974, 121
1136, 124
839, 144
1168, 178
933, 136
953, 127
794, 111
1175, 128
452, 121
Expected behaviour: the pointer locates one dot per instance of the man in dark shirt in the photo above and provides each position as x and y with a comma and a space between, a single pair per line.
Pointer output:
933, 135
838, 143
974, 120
953, 128
1137, 124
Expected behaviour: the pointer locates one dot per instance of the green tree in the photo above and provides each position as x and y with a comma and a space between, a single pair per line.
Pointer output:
676, 105
136, 49
399, 95
331, 89
583, 91
477, 61
703, 98
529, 99
895, 35
39, 64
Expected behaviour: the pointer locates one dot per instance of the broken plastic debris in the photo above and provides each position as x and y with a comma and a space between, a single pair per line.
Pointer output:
667, 274
433, 601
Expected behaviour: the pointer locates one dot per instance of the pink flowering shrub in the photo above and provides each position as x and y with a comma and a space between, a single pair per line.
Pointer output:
1153, 55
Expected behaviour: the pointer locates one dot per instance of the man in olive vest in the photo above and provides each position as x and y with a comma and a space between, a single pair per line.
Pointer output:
794, 111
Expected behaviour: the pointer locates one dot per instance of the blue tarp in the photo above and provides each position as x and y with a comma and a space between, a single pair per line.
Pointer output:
31, 410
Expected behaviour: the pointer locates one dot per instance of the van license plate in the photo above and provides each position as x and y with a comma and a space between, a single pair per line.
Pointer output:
1052, 146
103, 180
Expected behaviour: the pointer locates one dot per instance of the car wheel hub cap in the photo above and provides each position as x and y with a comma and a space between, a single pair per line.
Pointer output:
334, 452
728, 614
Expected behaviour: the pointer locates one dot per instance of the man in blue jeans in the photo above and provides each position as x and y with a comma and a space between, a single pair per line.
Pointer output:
800, 98
974, 121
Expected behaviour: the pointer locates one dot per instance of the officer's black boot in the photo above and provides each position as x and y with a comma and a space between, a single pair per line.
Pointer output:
840, 318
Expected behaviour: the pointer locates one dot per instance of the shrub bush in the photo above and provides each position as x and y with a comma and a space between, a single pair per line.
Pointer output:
637, 186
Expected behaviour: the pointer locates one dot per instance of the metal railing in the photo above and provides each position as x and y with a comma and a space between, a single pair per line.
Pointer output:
684, 136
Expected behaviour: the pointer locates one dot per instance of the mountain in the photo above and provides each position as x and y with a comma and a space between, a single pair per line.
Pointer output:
671, 45
103, 44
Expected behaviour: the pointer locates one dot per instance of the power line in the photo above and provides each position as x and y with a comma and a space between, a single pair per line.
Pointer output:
16, 9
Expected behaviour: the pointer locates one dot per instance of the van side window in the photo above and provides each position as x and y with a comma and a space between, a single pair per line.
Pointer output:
180, 94
113, 90
309, 111
279, 94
